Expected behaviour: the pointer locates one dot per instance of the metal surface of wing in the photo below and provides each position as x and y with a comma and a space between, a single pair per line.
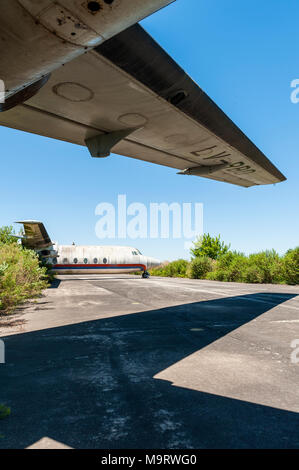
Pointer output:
130, 82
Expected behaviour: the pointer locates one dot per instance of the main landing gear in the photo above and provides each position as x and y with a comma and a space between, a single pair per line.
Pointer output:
145, 275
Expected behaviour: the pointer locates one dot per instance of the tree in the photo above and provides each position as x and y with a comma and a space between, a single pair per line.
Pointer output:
209, 246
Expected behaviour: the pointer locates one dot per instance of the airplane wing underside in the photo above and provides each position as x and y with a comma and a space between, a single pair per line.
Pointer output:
129, 82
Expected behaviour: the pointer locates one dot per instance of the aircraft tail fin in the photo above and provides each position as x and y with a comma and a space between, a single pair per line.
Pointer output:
36, 236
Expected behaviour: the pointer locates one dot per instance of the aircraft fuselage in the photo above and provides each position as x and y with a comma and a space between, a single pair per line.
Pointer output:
72, 259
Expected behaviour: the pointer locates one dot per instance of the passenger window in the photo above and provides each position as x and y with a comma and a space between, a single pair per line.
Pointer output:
105, 260
85, 260
75, 260
95, 260
65, 260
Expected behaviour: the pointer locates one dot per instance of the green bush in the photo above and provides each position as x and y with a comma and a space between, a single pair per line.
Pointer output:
199, 267
253, 275
174, 269
291, 266
21, 276
214, 261
7, 235
265, 267
229, 267
217, 275
226, 259
235, 270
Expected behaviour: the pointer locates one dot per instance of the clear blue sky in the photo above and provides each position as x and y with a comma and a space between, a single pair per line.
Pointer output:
244, 54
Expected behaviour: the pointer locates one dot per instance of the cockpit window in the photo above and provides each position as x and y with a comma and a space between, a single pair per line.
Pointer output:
136, 252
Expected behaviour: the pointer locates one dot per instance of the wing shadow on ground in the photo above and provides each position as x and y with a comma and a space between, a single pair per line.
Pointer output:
91, 385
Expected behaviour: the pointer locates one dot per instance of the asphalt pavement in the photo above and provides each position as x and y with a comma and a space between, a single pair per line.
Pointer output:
116, 361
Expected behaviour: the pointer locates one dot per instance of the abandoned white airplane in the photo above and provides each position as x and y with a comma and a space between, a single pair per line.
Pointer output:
72, 259
84, 72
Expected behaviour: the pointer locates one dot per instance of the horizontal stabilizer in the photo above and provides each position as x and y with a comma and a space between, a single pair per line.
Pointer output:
36, 236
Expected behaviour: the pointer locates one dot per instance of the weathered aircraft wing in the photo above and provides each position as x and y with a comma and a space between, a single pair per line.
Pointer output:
127, 95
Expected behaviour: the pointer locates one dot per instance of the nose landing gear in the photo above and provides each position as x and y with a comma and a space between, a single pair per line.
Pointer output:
145, 275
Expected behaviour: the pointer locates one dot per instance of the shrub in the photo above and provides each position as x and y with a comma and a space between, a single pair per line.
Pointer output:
265, 267
7, 235
217, 275
291, 266
253, 275
214, 261
235, 272
174, 269
226, 259
199, 267
229, 267
21, 276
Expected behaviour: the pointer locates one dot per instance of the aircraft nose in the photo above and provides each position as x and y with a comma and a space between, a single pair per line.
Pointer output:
152, 263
